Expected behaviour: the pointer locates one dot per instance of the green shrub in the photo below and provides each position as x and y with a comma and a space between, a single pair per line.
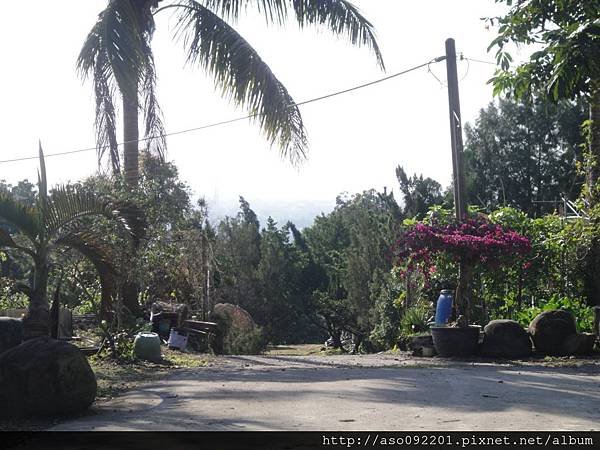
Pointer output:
9, 297
121, 347
244, 342
414, 320
584, 316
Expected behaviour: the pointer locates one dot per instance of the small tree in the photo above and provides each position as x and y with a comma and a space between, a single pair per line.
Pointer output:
56, 220
469, 243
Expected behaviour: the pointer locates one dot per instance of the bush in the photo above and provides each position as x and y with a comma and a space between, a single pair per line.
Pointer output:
584, 316
10, 298
243, 342
119, 344
414, 320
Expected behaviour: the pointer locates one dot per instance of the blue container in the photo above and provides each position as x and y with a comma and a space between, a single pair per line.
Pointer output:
443, 309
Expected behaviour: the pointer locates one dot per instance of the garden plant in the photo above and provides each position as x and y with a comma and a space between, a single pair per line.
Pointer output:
469, 244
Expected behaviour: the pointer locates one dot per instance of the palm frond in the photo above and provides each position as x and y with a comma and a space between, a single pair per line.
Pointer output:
106, 117
154, 129
91, 246
25, 218
117, 55
339, 16
115, 46
100, 255
274, 11
243, 76
342, 18
42, 178
42, 198
67, 205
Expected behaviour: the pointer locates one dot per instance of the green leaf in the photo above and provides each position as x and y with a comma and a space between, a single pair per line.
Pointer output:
23, 217
240, 73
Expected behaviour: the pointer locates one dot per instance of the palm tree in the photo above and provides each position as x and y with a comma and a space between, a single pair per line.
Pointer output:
57, 220
117, 56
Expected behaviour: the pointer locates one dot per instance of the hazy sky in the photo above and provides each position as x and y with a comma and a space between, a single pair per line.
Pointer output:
356, 140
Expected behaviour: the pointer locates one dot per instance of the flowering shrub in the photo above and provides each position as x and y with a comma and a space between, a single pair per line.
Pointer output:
475, 241
470, 242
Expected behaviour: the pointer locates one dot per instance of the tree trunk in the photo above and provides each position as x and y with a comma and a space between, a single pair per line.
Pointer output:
106, 297
55, 312
592, 278
129, 293
36, 322
336, 336
130, 289
465, 274
131, 136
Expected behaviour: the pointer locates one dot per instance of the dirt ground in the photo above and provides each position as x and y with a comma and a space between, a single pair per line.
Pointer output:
285, 391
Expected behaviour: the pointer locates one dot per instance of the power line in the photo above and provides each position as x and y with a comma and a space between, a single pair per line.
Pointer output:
491, 63
481, 61
249, 116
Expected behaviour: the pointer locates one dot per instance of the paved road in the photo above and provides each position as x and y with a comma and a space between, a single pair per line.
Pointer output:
372, 392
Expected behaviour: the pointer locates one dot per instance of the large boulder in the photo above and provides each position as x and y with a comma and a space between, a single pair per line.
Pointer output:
11, 333
578, 344
44, 377
505, 339
550, 330
237, 332
235, 316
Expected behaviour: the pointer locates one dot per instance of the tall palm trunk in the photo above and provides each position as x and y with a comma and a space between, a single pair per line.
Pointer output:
592, 279
131, 136
37, 320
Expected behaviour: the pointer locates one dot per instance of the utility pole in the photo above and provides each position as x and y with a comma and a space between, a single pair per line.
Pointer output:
455, 132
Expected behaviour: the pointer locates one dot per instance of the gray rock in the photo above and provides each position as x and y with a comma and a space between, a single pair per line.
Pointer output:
45, 377
11, 333
579, 344
549, 331
505, 339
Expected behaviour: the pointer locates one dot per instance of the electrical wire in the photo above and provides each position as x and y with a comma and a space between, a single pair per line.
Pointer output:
237, 119
481, 61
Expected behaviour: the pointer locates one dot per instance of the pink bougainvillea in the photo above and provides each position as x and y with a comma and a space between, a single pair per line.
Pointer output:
470, 242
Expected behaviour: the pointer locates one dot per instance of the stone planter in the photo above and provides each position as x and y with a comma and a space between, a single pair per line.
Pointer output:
505, 339
456, 341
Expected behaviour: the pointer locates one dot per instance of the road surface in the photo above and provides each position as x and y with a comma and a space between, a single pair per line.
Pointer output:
368, 392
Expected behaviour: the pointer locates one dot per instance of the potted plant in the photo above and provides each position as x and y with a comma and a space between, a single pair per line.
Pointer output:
470, 244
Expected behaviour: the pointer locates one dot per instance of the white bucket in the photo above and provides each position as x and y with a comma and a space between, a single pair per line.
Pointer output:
177, 340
